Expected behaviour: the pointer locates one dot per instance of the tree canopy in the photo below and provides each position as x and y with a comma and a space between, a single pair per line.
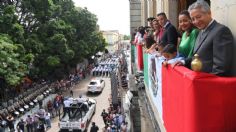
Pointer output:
45, 38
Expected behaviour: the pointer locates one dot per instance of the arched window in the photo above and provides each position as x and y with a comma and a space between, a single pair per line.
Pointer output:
189, 2
184, 4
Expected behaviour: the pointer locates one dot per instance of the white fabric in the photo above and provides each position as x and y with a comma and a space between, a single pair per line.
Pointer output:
159, 67
47, 117
81, 100
67, 103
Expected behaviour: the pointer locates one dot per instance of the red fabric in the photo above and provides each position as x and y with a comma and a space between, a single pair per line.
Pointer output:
198, 102
160, 33
140, 57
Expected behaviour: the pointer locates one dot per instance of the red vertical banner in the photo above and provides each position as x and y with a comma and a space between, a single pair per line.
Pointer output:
140, 56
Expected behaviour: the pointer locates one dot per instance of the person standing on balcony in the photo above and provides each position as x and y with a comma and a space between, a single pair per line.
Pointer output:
170, 34
139, 45
151, 28
189, 35
152, 41
214, 43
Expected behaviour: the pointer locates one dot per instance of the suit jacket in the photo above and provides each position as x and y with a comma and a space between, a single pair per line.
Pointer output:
215, 49
170, 35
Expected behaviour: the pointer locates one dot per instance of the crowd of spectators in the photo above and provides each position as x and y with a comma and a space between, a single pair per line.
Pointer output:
114, 120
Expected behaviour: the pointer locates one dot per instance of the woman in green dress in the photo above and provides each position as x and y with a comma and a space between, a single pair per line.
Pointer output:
189, 35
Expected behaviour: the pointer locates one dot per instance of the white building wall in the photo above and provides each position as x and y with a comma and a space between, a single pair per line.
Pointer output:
154, 8
173, 11
144, 12
150, 8
135, 15
224, 12
160, 6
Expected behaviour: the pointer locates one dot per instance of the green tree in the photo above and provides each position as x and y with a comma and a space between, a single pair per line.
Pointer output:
14, 62
9, 24
54, 33
127, 37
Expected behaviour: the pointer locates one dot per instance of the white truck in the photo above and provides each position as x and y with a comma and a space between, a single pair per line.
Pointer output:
76, 117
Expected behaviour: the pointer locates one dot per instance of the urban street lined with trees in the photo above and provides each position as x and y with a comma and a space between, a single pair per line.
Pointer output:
44, 40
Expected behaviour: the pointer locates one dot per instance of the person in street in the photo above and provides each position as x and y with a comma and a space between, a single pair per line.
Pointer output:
50, 107
29, 123
41, 113
113, 127
56, 106
35, 117
66, 108
48, 120
104, 115
40, 101
10, 122
21, 126
41, 127
71, 93
94, 127
116, 120
71, 77
124, 127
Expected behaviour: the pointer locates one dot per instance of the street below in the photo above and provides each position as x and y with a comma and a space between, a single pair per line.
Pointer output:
101, 98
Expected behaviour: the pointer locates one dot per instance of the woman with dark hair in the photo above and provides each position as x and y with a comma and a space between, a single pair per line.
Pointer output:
158, 30
189, 35
155, 39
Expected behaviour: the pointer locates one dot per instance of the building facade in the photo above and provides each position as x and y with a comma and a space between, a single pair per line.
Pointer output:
135, 15
111, 36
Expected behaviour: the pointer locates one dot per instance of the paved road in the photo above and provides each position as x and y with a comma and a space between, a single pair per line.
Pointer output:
102, 102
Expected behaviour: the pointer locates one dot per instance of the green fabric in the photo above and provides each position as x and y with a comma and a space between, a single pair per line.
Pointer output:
132, 53
133, 56
187, 43
145, 69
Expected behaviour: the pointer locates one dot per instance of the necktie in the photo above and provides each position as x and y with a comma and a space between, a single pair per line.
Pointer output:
201, 35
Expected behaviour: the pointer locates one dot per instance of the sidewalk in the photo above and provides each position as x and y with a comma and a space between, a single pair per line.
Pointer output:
33, 110
140, 118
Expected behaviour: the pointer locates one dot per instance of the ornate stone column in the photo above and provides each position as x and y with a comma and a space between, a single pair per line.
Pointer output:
171, 10
154, 4
135, 14
150, 8
159, 6
144, 12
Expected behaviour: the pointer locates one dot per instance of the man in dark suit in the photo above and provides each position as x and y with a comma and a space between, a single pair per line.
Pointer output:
214, 44
170, 35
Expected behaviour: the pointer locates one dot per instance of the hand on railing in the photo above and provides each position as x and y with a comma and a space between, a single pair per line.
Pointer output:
178, 63
165, 63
